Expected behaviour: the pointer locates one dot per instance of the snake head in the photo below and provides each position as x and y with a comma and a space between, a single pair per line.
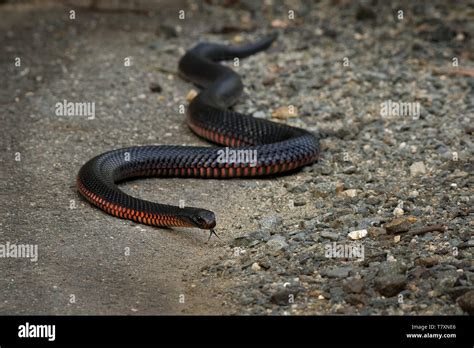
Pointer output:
201, 218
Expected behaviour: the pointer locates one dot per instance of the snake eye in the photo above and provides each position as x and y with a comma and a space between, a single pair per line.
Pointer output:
199, 220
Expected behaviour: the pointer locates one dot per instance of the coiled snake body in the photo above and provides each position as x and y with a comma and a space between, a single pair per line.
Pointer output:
279, 148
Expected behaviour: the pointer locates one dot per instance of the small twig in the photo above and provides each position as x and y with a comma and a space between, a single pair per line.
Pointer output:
464, 72
423, 230
458, 71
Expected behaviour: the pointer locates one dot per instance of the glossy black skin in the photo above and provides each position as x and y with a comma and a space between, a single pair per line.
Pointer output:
275, 143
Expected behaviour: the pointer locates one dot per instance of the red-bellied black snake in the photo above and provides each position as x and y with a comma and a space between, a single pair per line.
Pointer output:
276, 147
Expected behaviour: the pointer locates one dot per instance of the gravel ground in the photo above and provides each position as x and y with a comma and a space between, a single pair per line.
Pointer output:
347, 235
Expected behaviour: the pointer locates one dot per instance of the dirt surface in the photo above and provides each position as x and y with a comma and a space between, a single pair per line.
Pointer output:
271, 258
83, 266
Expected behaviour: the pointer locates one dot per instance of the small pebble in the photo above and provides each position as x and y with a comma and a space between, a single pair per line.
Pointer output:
399, 225
271, 223
155, 87
278, 23
259, 114
336, 272
277, 243
354, 286
330, 235
398, 212
285, 112
417, 168
390, 285
427, 261
349, 193
359, 234
466, 302
283, 297
375, 232
350, 170
255, 267
191, 95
